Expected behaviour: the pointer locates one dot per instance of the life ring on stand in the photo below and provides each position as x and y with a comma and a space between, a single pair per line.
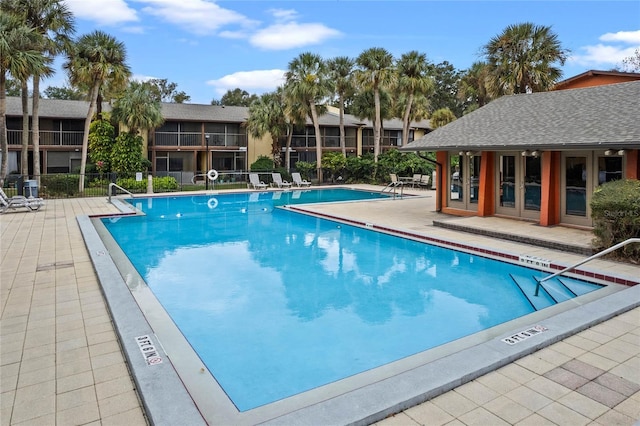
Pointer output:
212, 203
212, 174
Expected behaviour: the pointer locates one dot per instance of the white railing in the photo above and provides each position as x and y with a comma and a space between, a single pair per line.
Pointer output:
111, 185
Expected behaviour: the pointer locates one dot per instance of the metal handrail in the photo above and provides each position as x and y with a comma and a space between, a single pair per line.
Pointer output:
111, 185
595, 256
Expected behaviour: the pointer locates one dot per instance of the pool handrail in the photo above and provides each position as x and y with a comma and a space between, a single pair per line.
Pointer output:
595, 256
111, 185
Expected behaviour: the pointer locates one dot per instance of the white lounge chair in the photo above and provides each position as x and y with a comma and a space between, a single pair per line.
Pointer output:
19, 201
255, 182
277, 181
298, 181
394, 180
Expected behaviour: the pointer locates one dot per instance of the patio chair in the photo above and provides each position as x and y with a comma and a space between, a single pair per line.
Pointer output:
255, 182
394, 180
19, 201
425, 182
277, 181
415, 180
298, 181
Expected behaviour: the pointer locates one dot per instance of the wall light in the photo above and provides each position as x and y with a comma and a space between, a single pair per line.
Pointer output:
621, 152
525, 153
535, 154
608, 152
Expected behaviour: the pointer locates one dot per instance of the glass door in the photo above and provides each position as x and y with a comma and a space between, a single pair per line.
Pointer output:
576, 178
464, 181
508, 199
531, 187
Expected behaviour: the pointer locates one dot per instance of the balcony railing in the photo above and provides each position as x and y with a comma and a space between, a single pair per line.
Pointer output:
197, 139
327, 142
48, 137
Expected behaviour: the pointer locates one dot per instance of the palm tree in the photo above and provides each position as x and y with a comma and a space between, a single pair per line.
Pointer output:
295, 116
340, 72
97, 59
412, 80
522, 60
53, 22
307, 83
472, 89
375, 72
266, 115
16, 56
138, 109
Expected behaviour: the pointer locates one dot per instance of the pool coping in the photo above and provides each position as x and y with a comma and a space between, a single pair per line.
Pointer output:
167, 401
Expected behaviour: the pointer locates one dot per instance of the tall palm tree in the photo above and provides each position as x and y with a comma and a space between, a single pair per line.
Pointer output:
266, 115
53, 22
16, 56
96, 59
522, 59
412, 80
375, 72
295, 116
340, 72
307, 82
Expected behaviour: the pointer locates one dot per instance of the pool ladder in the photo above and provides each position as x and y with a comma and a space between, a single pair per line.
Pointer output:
393, 186
111, 185
595, 256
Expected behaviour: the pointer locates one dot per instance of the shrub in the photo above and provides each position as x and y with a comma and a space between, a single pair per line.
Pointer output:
263, 164
306, 169
334, 163
61, 185
160, 184
615, 208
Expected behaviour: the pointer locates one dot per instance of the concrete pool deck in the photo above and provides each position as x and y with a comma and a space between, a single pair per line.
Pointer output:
62, 362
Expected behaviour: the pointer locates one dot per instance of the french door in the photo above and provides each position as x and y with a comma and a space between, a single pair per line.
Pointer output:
464, 182
519, 181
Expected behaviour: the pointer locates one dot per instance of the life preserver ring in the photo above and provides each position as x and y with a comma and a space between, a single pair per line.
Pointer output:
212, 203
212, 174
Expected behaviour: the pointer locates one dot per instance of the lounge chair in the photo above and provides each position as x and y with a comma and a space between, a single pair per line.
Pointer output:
255, 182
425, 182
19, 201
298, 181
277, 181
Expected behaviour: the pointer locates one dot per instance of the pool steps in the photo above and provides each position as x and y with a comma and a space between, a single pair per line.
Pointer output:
556, 290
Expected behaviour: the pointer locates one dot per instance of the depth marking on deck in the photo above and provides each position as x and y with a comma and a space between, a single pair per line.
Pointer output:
535, 261
148, 350
524, 335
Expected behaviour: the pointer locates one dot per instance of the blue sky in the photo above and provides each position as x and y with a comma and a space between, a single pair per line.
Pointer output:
208, 47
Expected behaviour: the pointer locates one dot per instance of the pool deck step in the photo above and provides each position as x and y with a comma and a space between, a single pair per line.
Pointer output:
557, 237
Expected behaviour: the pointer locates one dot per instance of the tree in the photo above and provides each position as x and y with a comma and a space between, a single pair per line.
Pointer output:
307, 83
445, 95
64, 93
167, 92
472, 89
266, 115
97, 58
375, 72
340, 72
236, 97
12, 87
441, 117
101, 140
412, 80
16, 56
53, 22
138, 109
632, 63
522, 58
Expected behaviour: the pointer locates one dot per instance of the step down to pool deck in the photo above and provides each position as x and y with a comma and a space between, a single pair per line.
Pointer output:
470, 225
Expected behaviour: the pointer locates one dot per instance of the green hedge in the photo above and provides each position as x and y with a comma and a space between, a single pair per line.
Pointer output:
160, 184
615, 208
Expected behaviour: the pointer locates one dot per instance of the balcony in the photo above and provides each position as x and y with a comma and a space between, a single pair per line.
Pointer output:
48, 137
196, 139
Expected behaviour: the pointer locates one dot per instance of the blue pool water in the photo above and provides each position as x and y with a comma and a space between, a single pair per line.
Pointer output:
276, 303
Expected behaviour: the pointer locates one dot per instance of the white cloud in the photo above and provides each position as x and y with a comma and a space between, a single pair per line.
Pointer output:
196, 16
610, 54
103, 12
291, 35
283, 15
258, 81
631, 37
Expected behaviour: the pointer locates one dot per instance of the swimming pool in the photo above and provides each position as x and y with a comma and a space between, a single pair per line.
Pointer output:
268, 325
